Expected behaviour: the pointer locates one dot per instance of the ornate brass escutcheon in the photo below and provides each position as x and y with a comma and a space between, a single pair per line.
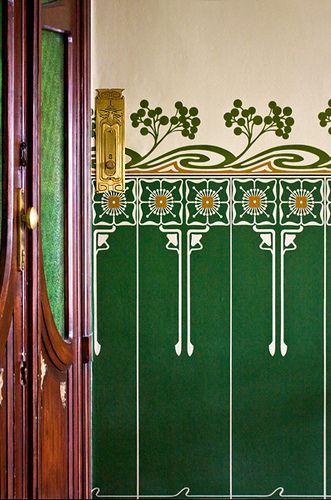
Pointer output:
110, 166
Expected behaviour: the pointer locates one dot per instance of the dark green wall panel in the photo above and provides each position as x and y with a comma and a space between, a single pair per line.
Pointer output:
231, 414
114, 403
278, 401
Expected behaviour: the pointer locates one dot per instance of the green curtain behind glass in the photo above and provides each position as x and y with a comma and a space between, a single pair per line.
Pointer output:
53, 172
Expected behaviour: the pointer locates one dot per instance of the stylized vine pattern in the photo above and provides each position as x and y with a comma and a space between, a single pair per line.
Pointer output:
245, 121
153, 122
325, 117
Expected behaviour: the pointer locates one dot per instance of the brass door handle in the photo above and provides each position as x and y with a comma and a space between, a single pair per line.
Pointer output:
31, 218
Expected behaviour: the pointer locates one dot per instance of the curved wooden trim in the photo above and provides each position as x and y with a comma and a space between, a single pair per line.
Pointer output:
58, 16
58, 349
61, 353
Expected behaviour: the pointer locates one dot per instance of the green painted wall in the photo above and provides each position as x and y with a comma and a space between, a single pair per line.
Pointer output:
233, 92
238, 408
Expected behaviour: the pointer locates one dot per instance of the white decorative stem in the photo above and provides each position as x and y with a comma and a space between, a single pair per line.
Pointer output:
287, 242
100, 242
268, 237
175, 243
193, 244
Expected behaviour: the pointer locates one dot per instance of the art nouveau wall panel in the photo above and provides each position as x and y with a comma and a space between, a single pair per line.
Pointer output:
212, 270
221, 315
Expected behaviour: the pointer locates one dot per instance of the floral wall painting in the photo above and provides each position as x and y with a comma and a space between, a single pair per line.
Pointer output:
213, 269
245, 122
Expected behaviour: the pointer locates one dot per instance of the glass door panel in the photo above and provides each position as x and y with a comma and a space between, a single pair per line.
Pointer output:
53, 159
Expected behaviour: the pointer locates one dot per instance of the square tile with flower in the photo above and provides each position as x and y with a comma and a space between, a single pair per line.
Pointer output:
254, 202
161, 201
115, 209
207, 202
301, 202
328, 202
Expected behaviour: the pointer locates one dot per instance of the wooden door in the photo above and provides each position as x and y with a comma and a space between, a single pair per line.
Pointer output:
59, 258
45, 278
14, 312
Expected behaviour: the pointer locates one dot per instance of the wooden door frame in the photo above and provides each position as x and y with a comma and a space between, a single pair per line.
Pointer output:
13, 459
20, 449
79, 395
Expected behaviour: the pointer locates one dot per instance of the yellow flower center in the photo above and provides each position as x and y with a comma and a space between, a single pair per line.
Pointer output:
254, 201
301, 202
207, 202
161, 202
114, 202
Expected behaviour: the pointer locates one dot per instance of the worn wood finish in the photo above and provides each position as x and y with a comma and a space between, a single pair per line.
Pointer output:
64, 357
44, 423
54, 450
6, 295
33, 159
12, 338
85, 238
7, 280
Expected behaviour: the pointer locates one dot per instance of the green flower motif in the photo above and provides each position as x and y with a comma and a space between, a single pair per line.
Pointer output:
160, 202
254, 202
115, 209
325, 117
207, 202
153, 122
246, 122
301, 202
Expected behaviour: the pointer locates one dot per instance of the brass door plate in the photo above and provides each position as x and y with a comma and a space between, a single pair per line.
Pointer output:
20, 230
110, 120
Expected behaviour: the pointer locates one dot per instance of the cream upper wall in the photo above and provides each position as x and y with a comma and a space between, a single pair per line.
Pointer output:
206, 53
